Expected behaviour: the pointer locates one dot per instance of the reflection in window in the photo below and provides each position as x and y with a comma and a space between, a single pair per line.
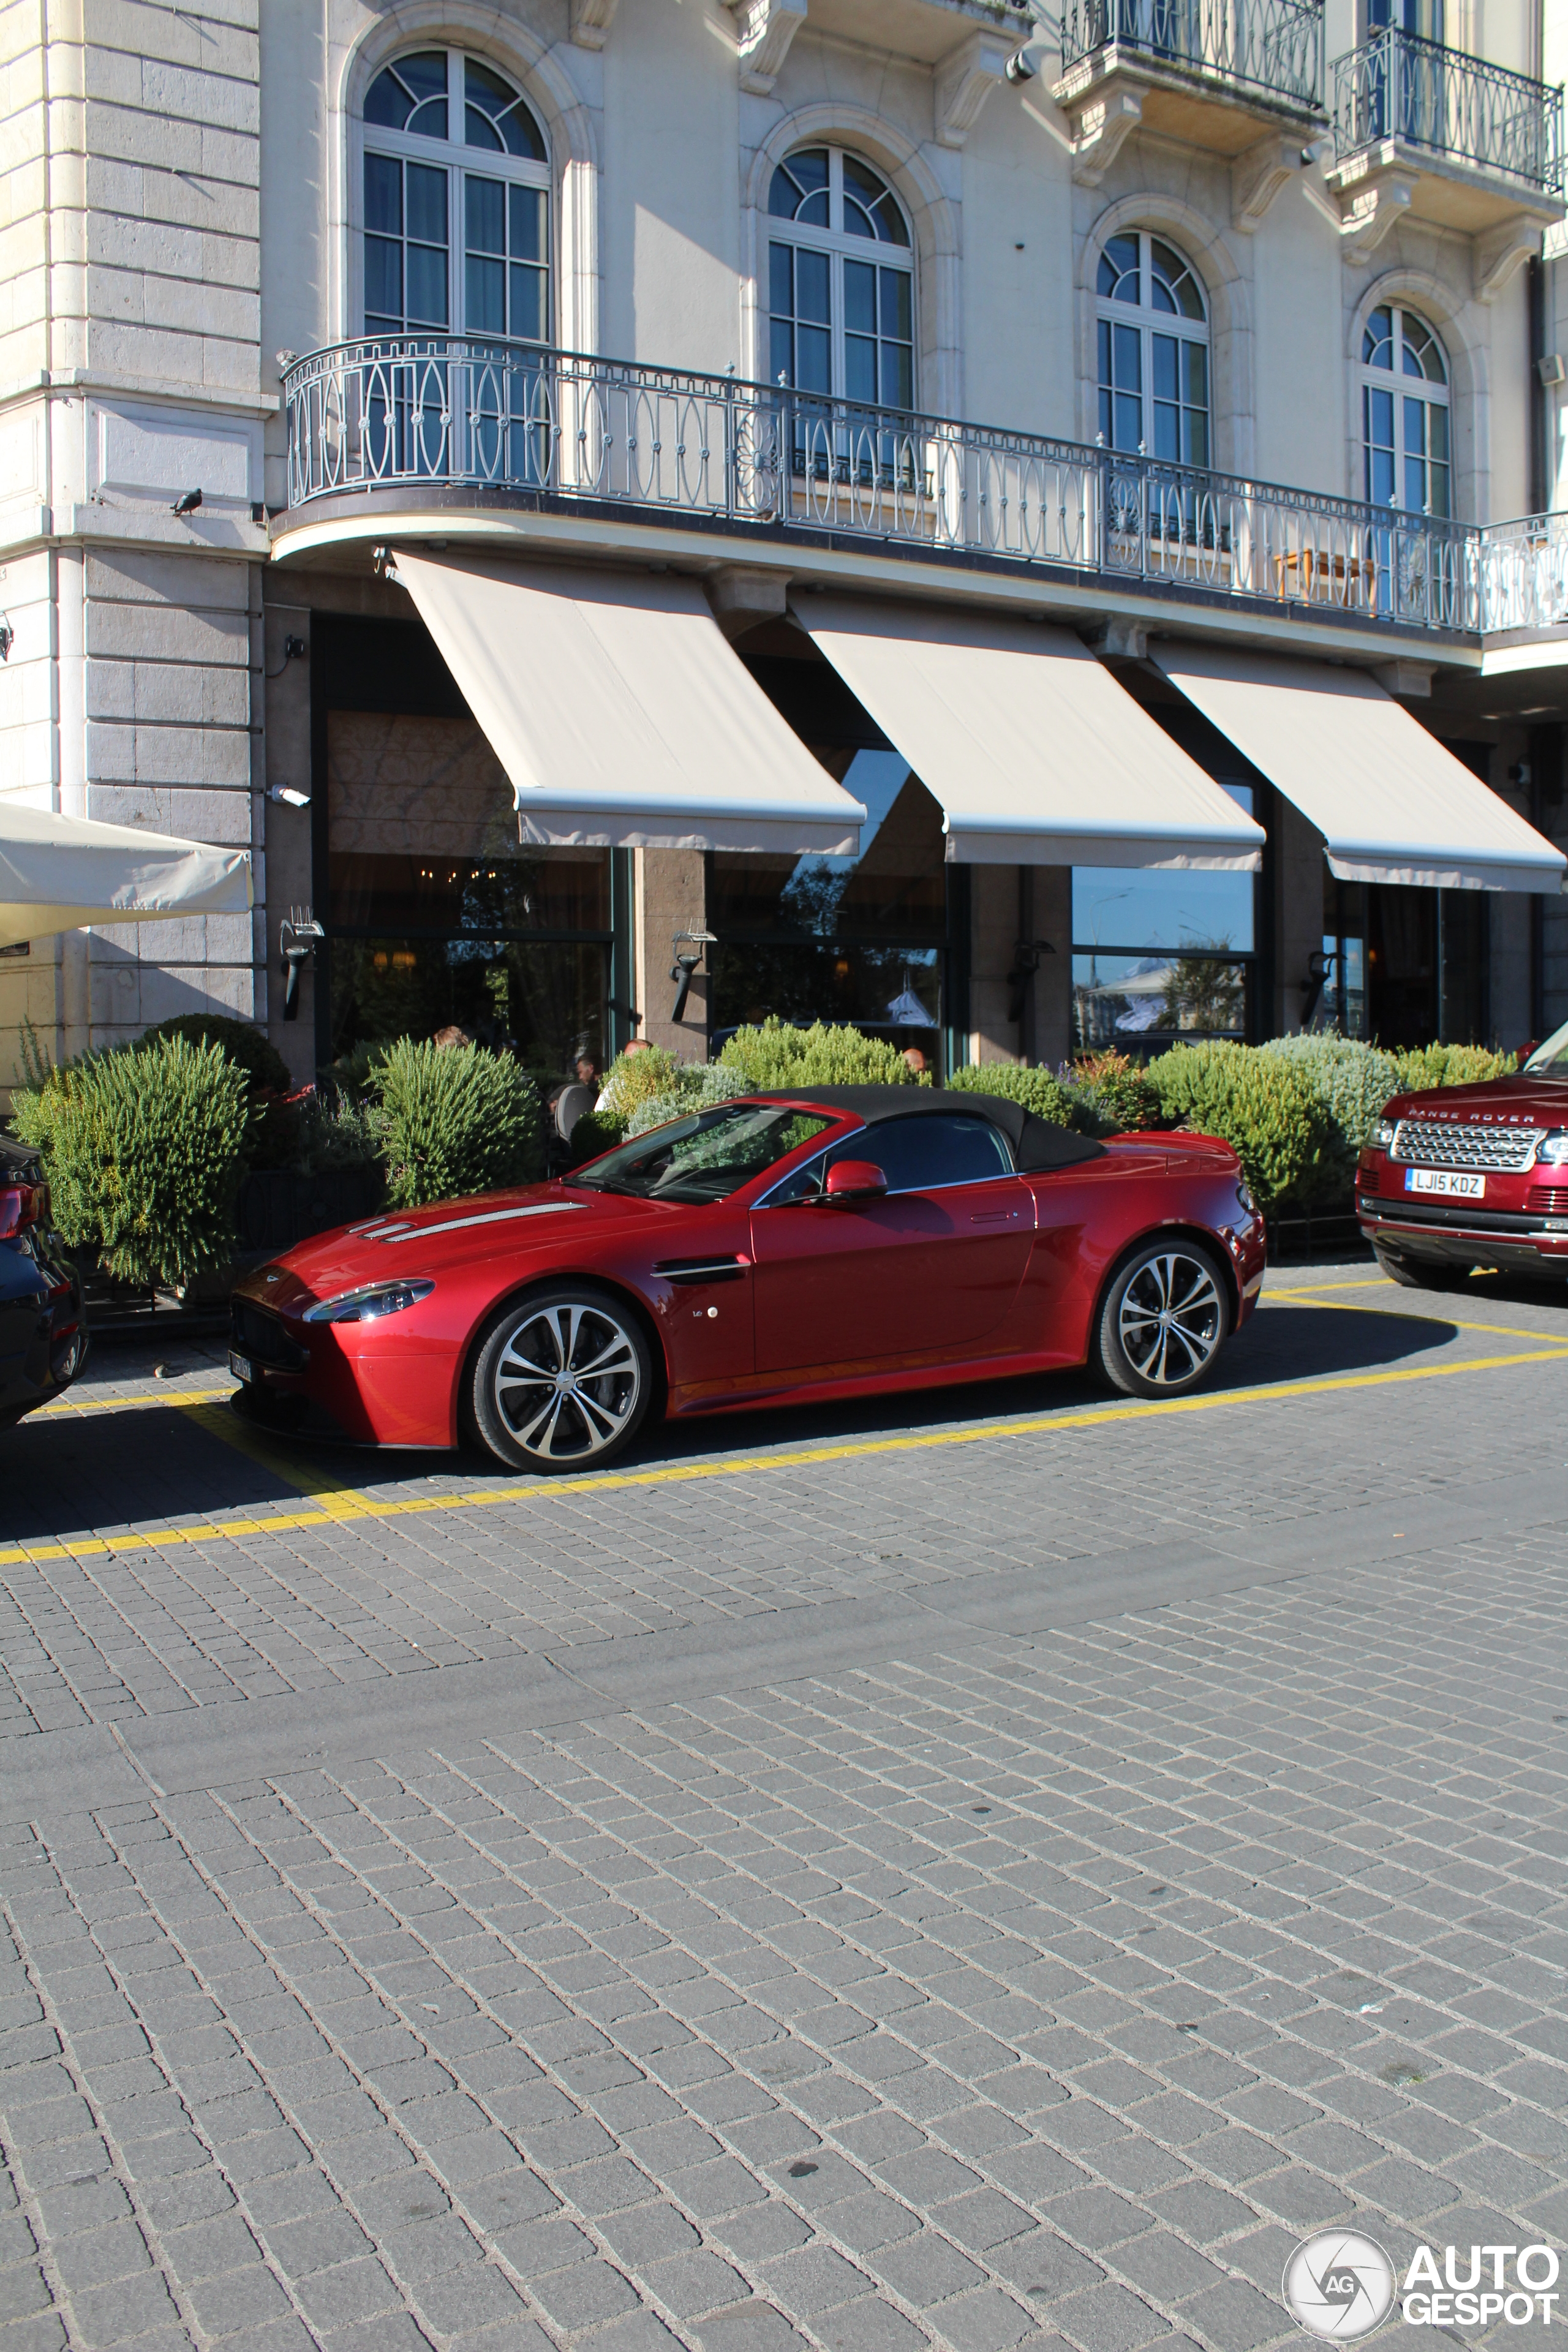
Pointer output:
1161, 952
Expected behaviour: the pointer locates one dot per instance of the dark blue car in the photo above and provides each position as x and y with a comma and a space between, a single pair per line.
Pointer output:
43, 1331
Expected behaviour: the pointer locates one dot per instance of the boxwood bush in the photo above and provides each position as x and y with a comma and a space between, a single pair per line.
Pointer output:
1262, 1104
1352, 1081
145, 1147
1115, 1095
1037, 1090
1421, 1066
453, 1119
777, 1056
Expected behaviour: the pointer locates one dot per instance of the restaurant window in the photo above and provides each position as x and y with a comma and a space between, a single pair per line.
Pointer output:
436, 915
862, 940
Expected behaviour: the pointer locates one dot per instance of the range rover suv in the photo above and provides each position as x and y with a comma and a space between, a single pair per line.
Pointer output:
1472, 1176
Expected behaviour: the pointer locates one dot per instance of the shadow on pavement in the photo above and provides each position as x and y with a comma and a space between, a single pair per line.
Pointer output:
142, 1469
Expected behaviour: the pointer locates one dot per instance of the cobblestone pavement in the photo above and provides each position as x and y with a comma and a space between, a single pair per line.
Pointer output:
993, 1870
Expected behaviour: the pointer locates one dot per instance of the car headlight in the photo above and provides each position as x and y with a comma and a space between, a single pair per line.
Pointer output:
369, 1305
1553, 1149
1247, 1203
1383, 1134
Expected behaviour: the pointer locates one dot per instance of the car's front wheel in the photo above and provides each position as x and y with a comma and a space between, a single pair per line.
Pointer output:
561, 1380
1165, 1316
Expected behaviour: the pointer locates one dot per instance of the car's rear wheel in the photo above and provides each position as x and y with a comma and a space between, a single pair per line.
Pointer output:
1421, 1274
561, 1380
1165, 1320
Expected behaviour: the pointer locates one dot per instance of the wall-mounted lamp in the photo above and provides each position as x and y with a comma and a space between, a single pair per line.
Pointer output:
1551, 367
1027, 956
289, 795
687, 947
1319, 964
297, 934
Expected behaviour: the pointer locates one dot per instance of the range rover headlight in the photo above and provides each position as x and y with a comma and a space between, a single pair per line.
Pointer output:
369, 1305
1553, 1148
1383, 1134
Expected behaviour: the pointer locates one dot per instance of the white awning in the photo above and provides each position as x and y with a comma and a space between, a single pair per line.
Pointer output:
59, 873
620, 714
1392, 803
1037, 756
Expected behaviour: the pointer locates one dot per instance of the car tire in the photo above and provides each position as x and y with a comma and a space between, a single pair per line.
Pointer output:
1421, 1274
529, 1416
1164, 1320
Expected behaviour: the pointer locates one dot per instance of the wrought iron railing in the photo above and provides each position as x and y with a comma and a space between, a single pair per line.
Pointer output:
435, 413
1402, 87
1521, 574
1272, 45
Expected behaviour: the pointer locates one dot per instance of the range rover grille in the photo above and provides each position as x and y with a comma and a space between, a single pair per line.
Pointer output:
1455, 1143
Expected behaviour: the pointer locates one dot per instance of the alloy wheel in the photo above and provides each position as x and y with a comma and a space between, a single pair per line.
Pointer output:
567, 1381
1170, 1319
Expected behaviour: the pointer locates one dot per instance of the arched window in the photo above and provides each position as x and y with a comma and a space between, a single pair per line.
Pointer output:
457, 203
840, 281
1405, 413
1154, 337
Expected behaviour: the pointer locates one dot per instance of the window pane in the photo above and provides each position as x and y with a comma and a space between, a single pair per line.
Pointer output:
1119, 269
917, 1154
813, 359
496, 115
897, 304
811, 286
1129, 360
384, 195
1377, 343
781, 279
478, 130
797, 180
1129, 430
859, 369
528, 213
780, 353
530, 310
427, 286
1195, 374
484, 297
1135, 1003
897, 376
1163, 356
1106, 421
426, 204
1167, 432
1415, 427
1194, 436
388, 102
485, 211
383, 278
1149, 906
859, 298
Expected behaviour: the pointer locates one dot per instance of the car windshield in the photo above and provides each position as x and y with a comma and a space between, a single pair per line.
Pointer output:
1550, 1060
706, 1157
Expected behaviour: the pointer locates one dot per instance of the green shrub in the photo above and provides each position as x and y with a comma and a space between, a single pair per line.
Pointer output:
1114, 1094
1263, 1105
697, 1086
778, 1055
453, 1120
1353, 1082
634, 1078
245, 1045
145, 1150
1037, 1090
1422, 1066
596, 1132
335, 1131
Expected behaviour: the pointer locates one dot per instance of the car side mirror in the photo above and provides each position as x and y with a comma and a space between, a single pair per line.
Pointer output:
854, 1180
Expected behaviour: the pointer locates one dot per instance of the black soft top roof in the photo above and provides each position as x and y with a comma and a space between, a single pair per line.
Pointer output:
1036, 1144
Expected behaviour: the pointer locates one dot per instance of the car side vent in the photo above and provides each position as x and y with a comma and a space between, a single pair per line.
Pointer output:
689, 1270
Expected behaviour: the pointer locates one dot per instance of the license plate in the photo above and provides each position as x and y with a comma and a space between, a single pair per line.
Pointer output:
241, 1367
1446, 1181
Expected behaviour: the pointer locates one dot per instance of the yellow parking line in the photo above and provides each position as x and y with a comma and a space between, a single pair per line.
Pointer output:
341, 1505
71, 1403
1406, 1315
337, 1500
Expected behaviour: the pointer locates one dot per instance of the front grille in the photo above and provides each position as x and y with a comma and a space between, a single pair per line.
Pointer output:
1455, 1143
258, 1334
1549, 1200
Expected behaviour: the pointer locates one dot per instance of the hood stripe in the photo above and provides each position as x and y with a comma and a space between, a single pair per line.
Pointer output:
407, 1233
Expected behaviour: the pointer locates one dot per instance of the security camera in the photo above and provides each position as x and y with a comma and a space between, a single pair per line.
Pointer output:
1020, 67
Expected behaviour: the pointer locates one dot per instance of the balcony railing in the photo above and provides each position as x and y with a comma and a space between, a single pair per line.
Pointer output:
1523, 574
432, 413
1402, 87
1275, 47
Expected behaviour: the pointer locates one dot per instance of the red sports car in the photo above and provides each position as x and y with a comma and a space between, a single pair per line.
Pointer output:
830, 1242
1472, 1176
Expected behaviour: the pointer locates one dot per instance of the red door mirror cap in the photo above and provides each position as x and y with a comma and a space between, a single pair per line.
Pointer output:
855, 1180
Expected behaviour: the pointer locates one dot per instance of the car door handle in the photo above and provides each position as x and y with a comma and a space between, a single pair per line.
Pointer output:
994, 1216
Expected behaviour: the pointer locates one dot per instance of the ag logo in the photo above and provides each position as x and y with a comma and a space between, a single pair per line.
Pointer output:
1340, 2285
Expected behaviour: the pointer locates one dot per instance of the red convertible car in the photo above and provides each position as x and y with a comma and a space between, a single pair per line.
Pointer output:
1472, 1176
830, 1242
